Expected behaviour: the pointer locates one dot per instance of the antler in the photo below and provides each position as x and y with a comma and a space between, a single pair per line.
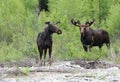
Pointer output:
90, 23
74, 22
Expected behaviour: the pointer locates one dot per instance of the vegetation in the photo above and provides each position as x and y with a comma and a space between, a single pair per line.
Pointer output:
20, 24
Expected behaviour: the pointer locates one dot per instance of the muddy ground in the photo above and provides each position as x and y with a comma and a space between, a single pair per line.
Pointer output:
60, 71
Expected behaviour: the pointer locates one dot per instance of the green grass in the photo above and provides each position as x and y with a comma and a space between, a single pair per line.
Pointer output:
75, 51
63, 49
67, 51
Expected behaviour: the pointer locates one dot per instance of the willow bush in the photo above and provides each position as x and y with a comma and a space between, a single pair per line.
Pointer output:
19, 26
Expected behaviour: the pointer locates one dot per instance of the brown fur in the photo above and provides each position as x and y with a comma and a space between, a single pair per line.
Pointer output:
90, 37
44, 40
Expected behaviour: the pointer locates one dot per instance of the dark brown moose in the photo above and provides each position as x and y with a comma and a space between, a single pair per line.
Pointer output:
44, 41
91, 37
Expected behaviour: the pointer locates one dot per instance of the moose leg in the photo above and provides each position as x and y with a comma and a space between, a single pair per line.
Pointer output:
45, 51
41, 52
85, 48
50, 60
100, 47
108, 45
40, 55
88, 48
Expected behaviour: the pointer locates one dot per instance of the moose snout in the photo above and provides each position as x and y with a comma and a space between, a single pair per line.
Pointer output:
81, 30
59, 31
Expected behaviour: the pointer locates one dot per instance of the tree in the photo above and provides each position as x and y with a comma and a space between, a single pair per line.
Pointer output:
43, 5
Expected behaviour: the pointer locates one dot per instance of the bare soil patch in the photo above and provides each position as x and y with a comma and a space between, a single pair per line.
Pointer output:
29, 62
60, 71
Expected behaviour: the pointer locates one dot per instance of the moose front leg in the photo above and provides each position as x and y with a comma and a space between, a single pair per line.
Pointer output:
50, 60
45, 51
87, 48
40, 55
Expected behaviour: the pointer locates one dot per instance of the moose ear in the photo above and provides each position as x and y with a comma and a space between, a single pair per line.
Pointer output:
49, 22
57, 22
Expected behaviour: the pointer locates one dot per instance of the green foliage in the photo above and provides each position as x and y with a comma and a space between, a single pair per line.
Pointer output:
19, 27
113, 21
26, 70
11, 17
9, 53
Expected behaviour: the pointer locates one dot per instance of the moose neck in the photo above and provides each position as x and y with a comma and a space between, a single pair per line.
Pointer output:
48, 33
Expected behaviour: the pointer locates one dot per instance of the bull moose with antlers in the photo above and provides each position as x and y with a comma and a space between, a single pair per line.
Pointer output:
91, 37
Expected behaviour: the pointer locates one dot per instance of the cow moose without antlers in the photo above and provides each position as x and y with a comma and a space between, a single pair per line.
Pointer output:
44, 40
91, 37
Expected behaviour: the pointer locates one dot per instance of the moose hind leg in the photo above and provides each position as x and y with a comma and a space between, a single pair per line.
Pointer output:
100, 47
85, 48
108, 45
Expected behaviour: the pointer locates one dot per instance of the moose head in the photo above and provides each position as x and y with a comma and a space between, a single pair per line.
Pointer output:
53, 28
83, 27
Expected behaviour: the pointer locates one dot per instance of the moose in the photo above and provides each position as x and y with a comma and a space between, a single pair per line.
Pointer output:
44, 41
91, 37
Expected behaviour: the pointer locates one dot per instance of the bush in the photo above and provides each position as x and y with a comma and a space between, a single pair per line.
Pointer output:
19, 27
113, 20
